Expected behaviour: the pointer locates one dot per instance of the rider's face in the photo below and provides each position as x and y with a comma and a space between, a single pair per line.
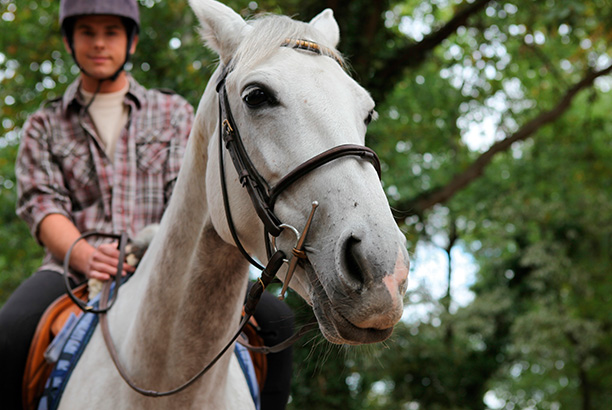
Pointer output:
100, 43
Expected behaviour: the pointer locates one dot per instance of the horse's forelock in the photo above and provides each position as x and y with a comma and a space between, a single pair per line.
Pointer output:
269, 33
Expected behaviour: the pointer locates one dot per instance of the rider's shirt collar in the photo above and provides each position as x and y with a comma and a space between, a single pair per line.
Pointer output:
73, 98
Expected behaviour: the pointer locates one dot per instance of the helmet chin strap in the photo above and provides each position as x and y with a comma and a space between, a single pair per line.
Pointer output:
93, 97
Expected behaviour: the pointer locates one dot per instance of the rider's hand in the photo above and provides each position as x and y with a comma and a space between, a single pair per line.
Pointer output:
102, 263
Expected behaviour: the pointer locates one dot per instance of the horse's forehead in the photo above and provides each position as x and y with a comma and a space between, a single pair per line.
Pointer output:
283, 59
303, 72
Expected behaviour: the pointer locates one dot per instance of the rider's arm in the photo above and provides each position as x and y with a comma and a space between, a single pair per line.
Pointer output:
58, 233
45, 203
41, 189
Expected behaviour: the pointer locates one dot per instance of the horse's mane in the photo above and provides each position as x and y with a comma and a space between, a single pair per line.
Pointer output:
269, 32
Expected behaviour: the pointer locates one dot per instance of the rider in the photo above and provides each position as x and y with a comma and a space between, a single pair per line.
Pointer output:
73, 152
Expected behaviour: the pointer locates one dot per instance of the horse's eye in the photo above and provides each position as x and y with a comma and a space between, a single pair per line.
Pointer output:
371, 116
256, 98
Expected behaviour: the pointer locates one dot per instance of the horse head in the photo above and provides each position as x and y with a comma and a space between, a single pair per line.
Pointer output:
292, 99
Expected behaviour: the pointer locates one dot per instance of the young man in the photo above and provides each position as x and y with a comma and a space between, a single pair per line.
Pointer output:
105, 157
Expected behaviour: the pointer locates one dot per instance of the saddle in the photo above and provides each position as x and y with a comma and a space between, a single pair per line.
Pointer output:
37, 369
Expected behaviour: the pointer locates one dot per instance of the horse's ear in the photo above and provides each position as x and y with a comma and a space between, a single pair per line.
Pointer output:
326, 24
221, 27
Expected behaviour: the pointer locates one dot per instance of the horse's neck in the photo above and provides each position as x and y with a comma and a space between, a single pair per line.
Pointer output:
187, 294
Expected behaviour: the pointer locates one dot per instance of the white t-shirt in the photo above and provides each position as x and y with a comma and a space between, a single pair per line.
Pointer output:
109, 115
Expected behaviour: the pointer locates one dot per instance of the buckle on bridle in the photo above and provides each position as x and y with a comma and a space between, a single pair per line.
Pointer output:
227, 127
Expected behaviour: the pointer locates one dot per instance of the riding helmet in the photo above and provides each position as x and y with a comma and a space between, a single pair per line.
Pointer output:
126, 9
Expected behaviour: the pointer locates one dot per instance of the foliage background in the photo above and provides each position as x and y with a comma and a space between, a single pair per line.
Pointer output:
495, 138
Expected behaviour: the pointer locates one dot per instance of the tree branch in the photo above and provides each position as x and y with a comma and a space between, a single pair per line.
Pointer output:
475, 170
414, 54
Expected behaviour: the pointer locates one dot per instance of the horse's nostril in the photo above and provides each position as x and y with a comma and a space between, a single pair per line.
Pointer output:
352, 257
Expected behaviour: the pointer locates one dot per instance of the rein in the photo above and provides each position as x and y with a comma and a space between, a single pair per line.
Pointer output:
263, 198
123, 238
267, 276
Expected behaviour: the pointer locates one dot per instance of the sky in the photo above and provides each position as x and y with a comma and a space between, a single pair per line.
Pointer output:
428, 274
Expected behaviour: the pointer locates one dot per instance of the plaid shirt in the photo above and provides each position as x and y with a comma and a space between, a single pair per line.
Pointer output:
62, 167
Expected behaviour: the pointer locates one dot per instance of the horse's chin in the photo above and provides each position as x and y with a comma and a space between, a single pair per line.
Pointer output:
339, 330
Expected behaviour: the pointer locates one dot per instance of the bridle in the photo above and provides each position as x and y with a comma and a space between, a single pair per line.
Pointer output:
263, 197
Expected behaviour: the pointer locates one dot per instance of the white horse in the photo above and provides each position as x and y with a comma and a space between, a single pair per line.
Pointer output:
184, 302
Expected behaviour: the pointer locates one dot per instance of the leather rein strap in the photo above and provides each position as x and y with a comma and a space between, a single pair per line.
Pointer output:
123, 239
267, 276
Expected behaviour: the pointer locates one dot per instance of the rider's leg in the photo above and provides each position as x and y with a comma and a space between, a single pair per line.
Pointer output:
18, 320
275, 320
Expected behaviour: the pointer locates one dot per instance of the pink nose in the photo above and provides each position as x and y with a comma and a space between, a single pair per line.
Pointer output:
388, 311
397, 282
